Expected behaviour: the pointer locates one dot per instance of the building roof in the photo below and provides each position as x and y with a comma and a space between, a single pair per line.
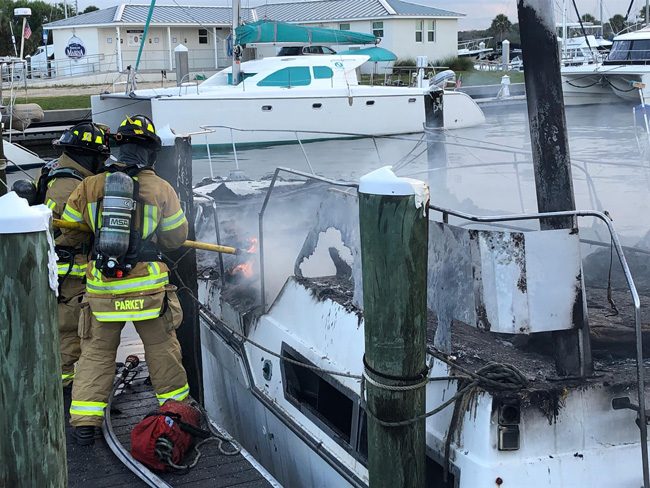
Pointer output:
299, 11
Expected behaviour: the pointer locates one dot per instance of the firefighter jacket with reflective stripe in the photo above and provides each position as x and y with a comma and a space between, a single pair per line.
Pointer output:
58, 192
158, 217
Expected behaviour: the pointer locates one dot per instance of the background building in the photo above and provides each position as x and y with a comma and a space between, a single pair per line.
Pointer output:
108, 39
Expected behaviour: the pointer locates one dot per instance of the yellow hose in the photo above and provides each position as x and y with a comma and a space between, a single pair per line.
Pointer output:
204, 246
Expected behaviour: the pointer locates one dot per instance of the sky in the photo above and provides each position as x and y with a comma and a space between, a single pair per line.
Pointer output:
479, 13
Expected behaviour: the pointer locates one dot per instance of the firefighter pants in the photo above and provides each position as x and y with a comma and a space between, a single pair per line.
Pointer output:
96, 367
69, 308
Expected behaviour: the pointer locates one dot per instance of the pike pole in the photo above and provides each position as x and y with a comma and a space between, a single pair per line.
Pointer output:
203, 246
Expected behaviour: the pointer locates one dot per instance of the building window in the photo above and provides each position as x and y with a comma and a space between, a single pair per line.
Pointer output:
288, 77
378, 29
418, 30
203, 36
344, 26
431, 31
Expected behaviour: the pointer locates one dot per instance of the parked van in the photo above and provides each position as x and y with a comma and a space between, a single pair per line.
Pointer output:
39, 61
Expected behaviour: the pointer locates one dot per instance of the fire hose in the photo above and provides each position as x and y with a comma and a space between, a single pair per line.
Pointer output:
203, 246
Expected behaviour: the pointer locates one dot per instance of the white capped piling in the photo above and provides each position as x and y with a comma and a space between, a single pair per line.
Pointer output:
505, 54
393, 218
32, 436
181, 57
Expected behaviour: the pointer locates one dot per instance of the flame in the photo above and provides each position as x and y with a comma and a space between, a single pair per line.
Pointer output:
246, 269
252, 245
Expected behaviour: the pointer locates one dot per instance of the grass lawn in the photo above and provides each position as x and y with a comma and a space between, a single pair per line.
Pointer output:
60, 102
474, 77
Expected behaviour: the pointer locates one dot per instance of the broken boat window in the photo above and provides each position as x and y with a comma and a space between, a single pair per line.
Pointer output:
317, 396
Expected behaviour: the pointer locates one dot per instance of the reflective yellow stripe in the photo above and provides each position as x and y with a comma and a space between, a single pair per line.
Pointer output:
150, 220
87, 408
50, 204
134, 315
92, 211
77, 269
71, 215
155, 279
181, 394
171, 223
67, 376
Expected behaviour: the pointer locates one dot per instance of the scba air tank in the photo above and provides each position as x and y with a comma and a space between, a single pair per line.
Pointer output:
115, 231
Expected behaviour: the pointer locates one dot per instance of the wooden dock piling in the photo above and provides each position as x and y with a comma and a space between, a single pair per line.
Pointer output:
32, 440
393, 215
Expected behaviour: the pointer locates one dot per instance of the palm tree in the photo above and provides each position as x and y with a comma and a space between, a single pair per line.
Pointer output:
617, 23
500, 26
588, 18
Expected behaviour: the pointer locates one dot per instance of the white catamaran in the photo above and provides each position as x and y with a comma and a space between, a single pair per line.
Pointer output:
270, 100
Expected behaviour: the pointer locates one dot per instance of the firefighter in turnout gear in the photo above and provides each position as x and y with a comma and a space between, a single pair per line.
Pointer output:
85, 148
134, 214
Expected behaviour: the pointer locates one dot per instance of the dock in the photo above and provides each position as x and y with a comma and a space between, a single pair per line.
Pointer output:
99, 467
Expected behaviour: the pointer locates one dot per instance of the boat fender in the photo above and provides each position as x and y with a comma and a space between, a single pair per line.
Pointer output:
163, 438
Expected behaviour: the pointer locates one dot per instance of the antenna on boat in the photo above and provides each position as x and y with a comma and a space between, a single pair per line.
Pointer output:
236, 49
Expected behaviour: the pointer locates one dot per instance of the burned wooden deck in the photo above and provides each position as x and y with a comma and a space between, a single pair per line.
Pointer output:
98, 467
612, 337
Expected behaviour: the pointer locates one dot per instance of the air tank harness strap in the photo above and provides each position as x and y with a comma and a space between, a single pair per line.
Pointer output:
66, 255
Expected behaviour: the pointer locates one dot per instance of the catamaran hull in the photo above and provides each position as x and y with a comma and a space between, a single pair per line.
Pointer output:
255, 120
588, 85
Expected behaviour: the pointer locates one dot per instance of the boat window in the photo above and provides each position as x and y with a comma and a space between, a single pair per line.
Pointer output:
344, 26
203, 36
243, 76
316, 396
640, 50
620, 51
328, 50
323, 72
287, 77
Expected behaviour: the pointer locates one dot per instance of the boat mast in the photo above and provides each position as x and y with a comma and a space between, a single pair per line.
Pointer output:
565, 30
236, 50
602, 22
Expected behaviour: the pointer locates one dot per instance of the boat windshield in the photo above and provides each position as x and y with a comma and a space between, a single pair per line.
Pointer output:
636, 51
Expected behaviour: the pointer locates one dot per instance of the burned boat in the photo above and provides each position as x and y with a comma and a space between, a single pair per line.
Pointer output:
283, 345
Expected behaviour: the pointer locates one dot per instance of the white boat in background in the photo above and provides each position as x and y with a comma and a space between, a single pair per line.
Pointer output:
614, 79
318, 96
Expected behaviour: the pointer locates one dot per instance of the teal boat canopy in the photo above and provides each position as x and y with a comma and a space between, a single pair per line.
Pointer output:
271, 31
377, 54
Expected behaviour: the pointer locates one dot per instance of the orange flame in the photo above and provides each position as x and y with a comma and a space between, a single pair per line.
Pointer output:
252, 245
246, 269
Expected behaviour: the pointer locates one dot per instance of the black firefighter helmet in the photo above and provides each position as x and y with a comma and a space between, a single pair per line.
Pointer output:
84, 138
138, 129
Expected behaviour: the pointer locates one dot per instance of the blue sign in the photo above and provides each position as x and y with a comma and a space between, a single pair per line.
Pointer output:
45, 33
75, 48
